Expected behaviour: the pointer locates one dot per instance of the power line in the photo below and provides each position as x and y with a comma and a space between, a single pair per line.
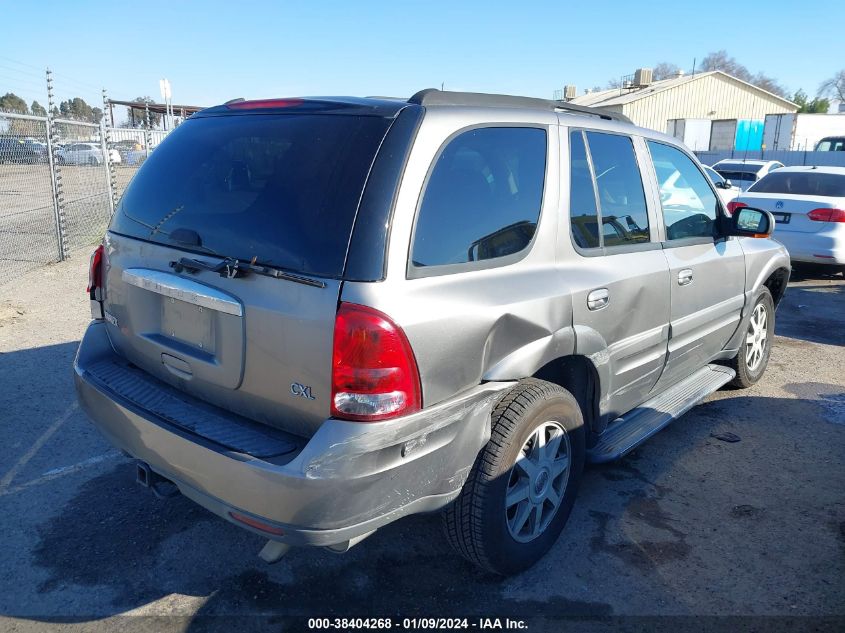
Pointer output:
65, 78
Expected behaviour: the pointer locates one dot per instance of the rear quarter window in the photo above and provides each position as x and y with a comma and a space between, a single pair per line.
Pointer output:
483, 197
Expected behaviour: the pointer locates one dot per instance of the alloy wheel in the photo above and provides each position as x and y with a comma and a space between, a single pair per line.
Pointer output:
756, 338
537, 482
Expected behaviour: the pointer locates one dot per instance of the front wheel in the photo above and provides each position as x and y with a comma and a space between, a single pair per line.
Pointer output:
753, 356
521, 489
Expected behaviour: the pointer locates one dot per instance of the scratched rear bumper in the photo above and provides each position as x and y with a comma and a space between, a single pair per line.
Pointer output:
349, 478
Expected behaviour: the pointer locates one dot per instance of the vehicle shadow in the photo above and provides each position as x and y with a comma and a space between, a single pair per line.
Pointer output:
814, 313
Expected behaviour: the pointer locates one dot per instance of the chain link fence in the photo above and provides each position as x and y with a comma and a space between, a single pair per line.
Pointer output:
28, 223
59, 182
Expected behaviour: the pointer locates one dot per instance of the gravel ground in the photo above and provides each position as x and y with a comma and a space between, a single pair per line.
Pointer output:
687, 525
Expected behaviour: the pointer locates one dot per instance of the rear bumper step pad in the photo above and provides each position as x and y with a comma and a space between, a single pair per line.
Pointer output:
221, 427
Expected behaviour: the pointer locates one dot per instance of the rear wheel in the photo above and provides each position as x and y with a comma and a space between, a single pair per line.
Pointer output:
522, 486
753, 356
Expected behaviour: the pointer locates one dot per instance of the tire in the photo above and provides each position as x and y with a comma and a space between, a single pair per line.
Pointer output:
750, 368
478, 524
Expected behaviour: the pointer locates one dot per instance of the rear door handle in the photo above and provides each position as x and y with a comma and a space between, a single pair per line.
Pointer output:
685, 277
598, 299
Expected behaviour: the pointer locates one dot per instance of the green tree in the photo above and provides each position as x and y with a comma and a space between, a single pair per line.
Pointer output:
819, 105
10, 102
78, 110
139, 114
37, 109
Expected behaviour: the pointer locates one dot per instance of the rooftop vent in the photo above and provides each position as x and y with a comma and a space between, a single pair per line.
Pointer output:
643, 77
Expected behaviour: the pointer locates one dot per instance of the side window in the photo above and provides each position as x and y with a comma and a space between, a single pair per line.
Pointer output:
621, 200
583, 212
715, 178
689, 205
483, 197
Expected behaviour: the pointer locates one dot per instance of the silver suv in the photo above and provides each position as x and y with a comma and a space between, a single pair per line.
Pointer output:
316, 316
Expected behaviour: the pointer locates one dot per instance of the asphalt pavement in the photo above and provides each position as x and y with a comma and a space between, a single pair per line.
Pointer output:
689, 527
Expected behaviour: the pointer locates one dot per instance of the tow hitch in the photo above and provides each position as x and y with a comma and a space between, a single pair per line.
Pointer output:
162, 487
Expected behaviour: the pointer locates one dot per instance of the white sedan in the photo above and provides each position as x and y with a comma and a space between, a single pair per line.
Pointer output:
809, 208
725, 188
85, 154
745, 173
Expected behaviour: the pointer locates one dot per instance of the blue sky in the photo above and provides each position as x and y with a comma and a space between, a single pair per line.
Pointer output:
213, 51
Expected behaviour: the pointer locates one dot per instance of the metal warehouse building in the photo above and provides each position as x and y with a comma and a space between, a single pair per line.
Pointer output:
708, 111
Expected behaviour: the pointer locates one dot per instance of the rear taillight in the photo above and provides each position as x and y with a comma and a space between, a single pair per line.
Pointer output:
733, 206
95, 273
374, 373
827, 215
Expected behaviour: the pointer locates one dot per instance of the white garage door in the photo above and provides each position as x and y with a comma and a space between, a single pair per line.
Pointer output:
697, 134
722, 135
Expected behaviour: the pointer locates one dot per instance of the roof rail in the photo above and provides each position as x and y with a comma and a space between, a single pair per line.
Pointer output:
433, 96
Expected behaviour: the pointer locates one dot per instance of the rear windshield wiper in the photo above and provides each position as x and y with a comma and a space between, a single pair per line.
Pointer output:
232, 268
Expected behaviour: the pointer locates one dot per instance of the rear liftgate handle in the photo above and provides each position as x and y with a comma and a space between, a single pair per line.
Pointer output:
685, 277
598, 299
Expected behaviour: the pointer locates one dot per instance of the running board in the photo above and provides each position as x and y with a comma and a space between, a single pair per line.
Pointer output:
636, 426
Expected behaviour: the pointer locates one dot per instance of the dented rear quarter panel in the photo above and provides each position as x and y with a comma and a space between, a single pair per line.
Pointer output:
493, 324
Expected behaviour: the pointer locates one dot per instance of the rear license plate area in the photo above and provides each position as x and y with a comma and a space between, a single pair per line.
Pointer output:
188, 323
782, 218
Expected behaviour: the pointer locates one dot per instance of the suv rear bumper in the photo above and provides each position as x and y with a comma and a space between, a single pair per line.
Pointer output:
344, 482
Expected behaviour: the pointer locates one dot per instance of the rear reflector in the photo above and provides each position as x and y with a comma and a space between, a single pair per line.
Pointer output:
374, 372
827, 215
733, 206
264, 103
255, 523
95, 273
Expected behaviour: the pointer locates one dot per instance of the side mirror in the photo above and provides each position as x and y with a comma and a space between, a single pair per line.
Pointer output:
728, 184
751, 222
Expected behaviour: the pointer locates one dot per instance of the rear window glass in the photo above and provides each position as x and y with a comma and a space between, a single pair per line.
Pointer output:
483, 197
282, 189
738, 175
804, 183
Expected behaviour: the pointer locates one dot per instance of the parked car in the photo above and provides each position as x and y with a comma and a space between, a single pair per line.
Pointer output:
808, 204
319, 338
831, 144
725, 188
84, 154
745, 173
129, 150
15, 150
